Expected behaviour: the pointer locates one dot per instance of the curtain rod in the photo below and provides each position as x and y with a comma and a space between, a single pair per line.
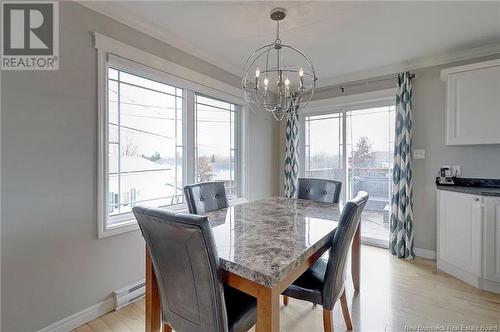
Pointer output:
342, 86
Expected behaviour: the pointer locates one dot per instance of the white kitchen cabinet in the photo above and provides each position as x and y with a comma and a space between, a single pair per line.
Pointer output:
469, 238
460, 230
491, 262
473, 103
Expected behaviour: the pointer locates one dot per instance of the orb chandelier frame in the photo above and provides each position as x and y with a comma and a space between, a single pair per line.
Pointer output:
271, 84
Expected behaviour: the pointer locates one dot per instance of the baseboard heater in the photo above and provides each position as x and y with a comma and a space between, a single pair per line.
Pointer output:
129, 294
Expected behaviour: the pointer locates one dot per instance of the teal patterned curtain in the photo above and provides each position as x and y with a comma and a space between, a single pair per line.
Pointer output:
292, 154
401, 234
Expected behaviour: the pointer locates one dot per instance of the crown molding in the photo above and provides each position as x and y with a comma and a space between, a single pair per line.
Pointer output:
417, 63
166, 37
472, 66
414, 64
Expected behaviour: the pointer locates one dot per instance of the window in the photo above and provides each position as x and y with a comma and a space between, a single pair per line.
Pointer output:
363, 162
323, 146
216, 142
144, 144
159, 131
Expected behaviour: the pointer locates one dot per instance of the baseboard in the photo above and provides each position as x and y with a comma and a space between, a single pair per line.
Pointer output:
458, 273
425, 253
375, 242
86, 315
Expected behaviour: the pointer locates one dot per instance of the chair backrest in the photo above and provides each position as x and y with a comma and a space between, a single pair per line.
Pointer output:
186, 266
205, 197
336, 268
320, 190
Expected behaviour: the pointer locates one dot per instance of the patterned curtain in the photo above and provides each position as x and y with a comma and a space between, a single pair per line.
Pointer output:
292, 153
401, 234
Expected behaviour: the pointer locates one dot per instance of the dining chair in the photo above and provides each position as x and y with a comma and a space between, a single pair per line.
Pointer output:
323, 283
185, 262
205, 197
319, 190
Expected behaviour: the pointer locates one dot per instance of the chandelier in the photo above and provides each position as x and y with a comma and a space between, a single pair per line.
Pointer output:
278, 78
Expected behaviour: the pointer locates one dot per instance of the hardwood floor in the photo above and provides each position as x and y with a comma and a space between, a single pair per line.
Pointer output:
394, 294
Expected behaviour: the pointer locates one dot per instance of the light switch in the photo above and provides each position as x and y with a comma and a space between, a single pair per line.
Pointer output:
418, 154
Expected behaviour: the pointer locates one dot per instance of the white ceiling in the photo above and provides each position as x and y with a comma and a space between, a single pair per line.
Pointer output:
341, 38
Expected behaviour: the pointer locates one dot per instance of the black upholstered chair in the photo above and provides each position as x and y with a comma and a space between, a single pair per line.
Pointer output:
323, 283
320, 190
205, 197
185, 261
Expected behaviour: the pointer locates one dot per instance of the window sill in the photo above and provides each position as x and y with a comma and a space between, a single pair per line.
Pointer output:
123, 227
131, 225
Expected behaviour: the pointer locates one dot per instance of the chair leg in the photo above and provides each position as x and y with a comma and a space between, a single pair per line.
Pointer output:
285, 300
166, 328
345, 311
328, 320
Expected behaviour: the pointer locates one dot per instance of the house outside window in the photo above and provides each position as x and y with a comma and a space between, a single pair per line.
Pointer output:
144, 144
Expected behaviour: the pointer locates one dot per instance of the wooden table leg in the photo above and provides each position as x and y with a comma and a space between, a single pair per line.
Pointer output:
268, 310
268, 301
153, 321
356, 258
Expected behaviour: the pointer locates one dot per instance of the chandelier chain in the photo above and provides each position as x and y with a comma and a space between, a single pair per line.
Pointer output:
277, 40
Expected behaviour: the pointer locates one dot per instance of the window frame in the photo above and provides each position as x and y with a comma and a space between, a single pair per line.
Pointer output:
236, 138
342, 105
123, 219
115, 54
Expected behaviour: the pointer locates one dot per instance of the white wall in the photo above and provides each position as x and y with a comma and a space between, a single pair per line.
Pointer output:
53, 265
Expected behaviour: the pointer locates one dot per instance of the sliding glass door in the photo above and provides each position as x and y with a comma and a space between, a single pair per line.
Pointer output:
370, 144
355, 146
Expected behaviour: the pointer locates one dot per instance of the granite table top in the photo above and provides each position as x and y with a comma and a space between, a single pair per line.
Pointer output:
265, 240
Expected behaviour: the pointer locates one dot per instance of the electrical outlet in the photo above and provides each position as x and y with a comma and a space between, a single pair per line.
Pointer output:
418, 154
456, 170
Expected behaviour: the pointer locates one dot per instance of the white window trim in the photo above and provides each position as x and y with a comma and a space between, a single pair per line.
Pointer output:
341, 104
131, 58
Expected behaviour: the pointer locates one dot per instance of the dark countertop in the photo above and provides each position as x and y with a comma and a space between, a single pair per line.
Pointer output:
481, 191
474, 186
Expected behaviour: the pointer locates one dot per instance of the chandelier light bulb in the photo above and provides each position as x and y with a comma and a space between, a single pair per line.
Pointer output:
287, 82
301, 72
257, 72
266, 81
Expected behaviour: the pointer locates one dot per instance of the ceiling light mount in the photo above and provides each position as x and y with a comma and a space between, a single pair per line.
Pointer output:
278, 14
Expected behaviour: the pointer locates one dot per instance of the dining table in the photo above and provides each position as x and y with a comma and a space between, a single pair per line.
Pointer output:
263, 247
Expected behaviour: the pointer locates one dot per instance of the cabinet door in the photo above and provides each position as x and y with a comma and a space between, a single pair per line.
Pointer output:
460, 230
473, 107
492, 239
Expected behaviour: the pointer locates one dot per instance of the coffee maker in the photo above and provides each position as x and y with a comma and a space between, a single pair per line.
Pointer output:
445, 177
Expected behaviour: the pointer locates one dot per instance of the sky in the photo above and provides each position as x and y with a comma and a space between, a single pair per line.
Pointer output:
376, 123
